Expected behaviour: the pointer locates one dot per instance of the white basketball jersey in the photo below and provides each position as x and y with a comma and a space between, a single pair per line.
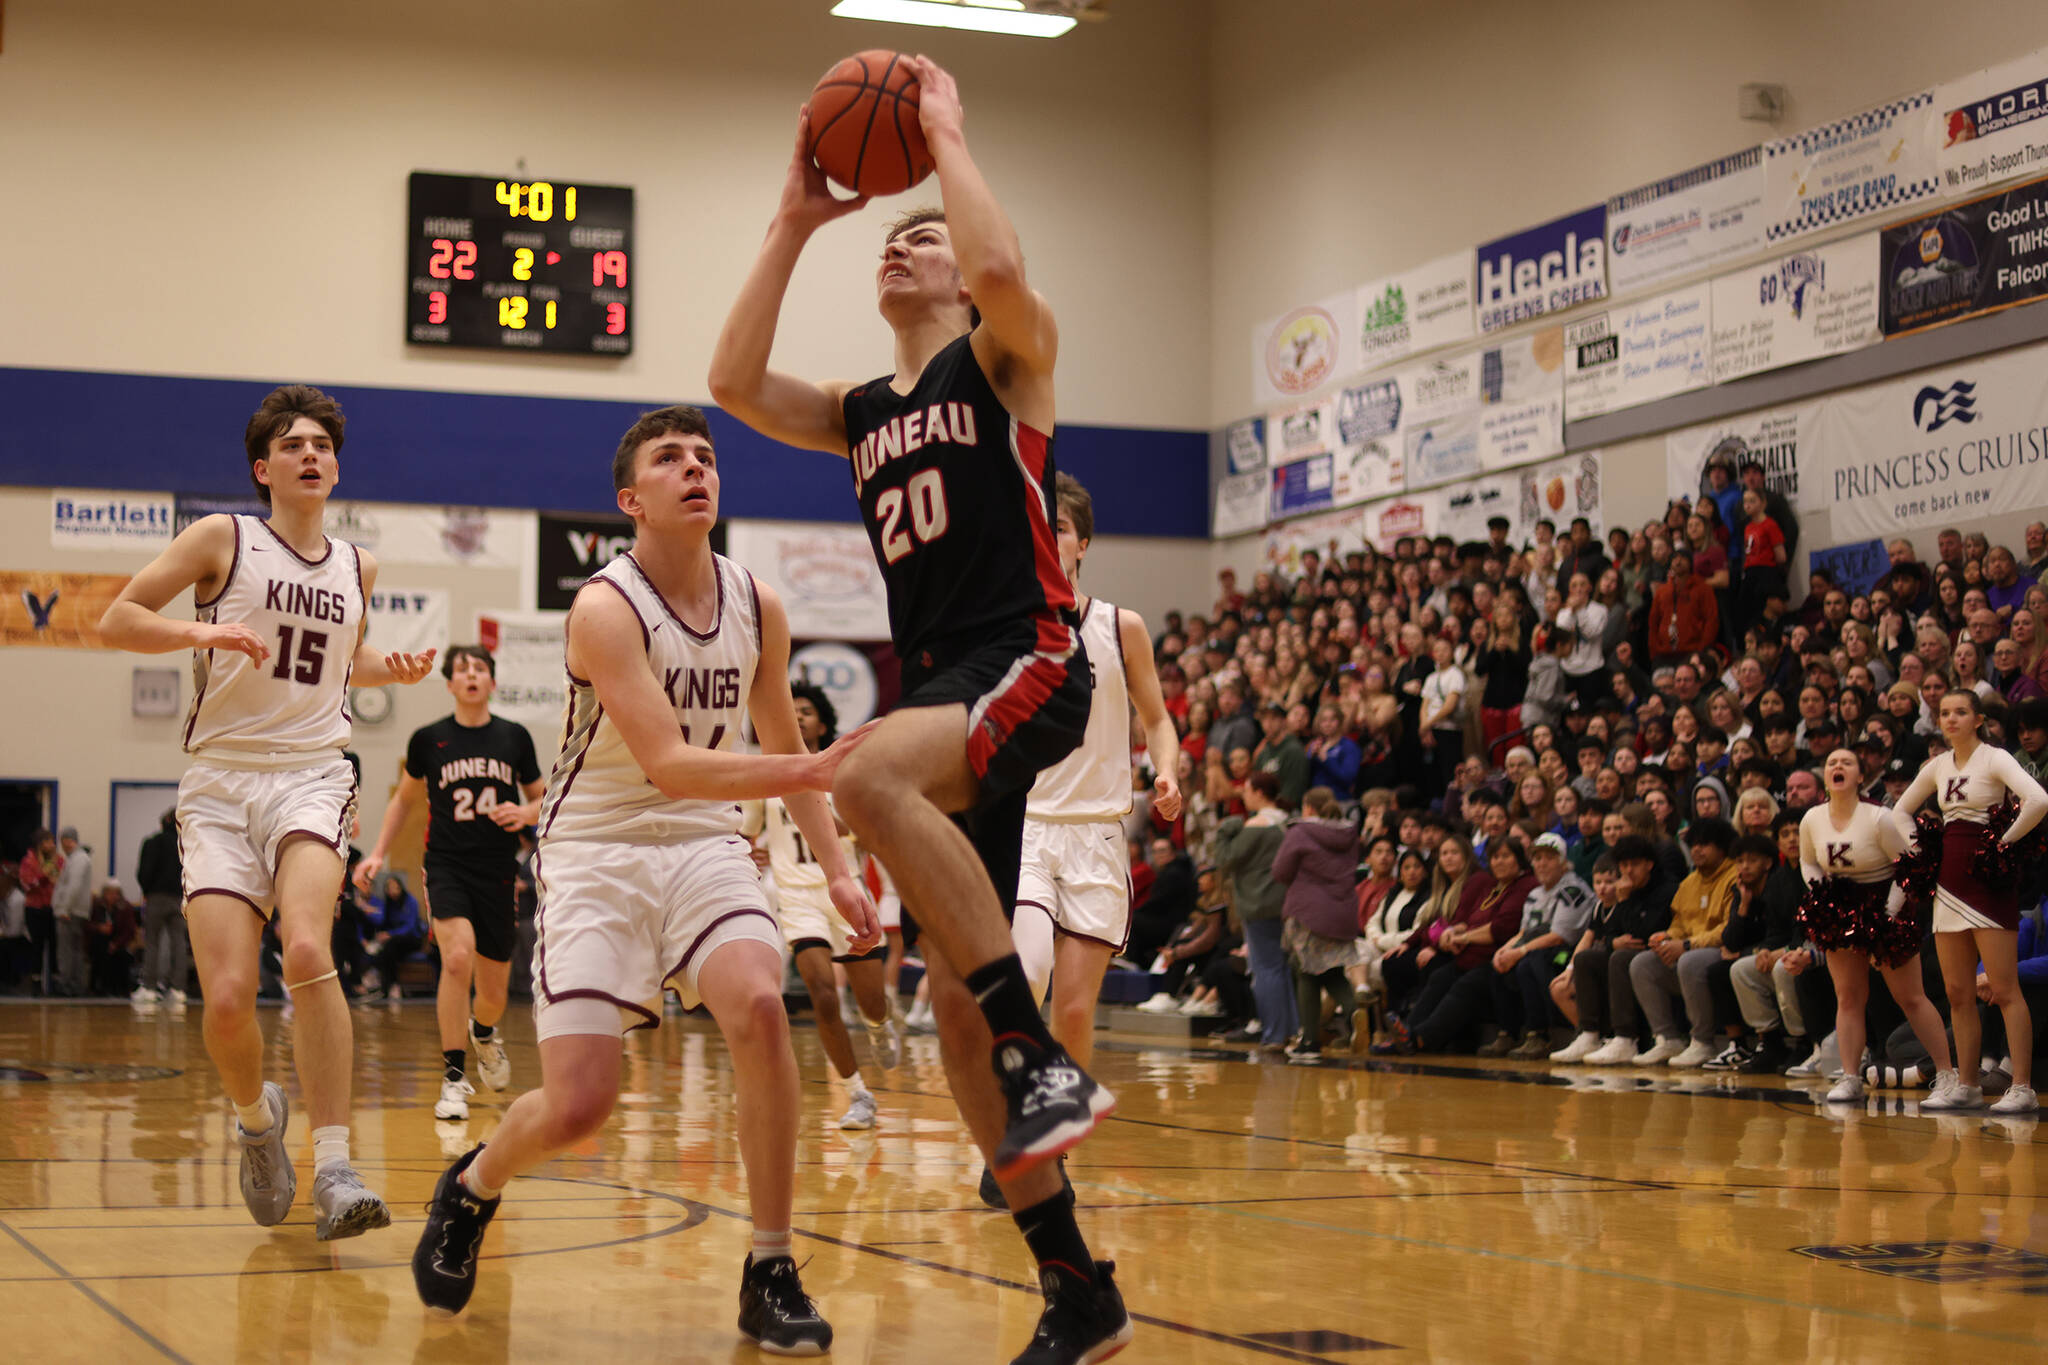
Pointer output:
796, 868
1093, 783
597, 792
293, 707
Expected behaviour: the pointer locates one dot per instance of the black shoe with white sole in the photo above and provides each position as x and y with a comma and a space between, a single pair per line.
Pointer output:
776, 1313
1084, 1319
444, 1263
1053, 1103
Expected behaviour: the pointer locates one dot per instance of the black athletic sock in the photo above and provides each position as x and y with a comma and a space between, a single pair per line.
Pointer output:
482, 1032
1052, 1234
455, 1058
1006, 1000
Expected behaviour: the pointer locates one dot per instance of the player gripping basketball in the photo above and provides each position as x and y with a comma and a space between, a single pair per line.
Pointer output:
644, 879
265, 810
952, 463
481, 782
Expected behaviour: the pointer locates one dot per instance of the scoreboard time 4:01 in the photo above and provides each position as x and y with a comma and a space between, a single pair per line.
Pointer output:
519, 265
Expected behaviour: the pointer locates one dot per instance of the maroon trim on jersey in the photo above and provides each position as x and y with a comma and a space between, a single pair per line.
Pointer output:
197, 892
1031, 449
709, 929
234, 562
311, 563
717, 620
596, 719
646, 636
754, 588
1116, 630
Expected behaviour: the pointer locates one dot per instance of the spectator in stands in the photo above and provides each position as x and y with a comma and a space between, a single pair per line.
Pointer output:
37, 876
1554, 918
1502, 658
1616, 936
1684, 618
1317, 861
1245, 847
1456, 997
1167, 905
1281, 754
14, 941
1685, 952
115, 935
1333, 755
1395, 918
394, 916
167, 953
1441, 723
71, 906
1233, 728
1455, 879
1769, 954
1585, 668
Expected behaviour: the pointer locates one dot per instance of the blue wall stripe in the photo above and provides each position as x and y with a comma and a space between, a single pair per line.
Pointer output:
85, 429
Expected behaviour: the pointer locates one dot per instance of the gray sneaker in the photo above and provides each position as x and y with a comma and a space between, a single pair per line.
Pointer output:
887, 1040
342, 1207
493, 1068
269, 1184
860, 1115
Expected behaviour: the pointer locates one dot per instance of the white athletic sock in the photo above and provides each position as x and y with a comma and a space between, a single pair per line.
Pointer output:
474, 1183
254, 1118
855, 1086
330, 1147
769, 1245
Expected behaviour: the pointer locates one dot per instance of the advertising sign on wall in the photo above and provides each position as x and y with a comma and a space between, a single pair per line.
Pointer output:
95, 519
1687, 222
1414, 311
1798, 307
1330, 534
1303, 486
571, 549
1245, 444
1780, 439
533, 687
1876, 161
1468, 506
1297, 433
825, 574
55, 610
1559, 491
477, 537
1521, 397
1370, 461
1300, 351
1972, 258
1542, 270
1441, 451
1637, 353
1993, 124
409, 620
1240, 504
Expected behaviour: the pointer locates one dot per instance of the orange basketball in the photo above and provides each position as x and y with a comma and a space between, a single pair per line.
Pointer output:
864, 128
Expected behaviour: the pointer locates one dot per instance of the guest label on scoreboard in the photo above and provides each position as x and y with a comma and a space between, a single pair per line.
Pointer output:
519, 265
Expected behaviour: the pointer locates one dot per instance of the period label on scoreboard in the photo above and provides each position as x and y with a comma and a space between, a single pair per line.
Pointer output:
519, 265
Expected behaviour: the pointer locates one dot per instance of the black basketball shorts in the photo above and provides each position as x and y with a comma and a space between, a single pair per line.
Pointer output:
486, 901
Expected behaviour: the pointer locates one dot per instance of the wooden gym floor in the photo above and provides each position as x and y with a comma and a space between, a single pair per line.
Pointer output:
1357, 1212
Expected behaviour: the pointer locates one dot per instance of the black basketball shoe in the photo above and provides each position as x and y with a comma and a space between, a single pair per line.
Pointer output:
444, 1263
775, 1311
1084, 1320
1053, 1104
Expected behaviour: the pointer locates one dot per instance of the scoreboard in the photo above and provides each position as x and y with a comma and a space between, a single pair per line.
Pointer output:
519, 265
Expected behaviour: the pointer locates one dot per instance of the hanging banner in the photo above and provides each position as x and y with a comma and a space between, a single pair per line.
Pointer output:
1560, 491
1300, 432
1417, 310
1330, 534
825, 573
1442, 451
1943, 445
1302, 486
474, 537
1876, 161
1245, 444
1521, 397
1780, 439
1972, 258
1637, 353
55, 610
1299, 352
533, 687
1470, 505
1241, 501
94, 519
569, 549
1370, 461
193, 506
1994, 124
862, 681
1798, 307
409, 620
1542, 270
1388, 522
1855, 569
1447, 386
1688, 222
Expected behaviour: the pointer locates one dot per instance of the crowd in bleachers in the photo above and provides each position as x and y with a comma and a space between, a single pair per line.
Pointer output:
1502, 798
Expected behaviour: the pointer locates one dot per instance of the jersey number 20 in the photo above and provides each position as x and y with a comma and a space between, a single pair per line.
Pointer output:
926, 495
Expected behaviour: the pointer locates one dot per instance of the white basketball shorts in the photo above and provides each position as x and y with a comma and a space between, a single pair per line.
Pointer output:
232, 822
617, 922
1077, 875
807, 916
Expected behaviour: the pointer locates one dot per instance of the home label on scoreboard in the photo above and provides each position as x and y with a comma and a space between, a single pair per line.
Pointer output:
519, 265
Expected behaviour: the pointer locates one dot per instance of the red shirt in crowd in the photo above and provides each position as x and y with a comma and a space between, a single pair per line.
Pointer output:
1761, 540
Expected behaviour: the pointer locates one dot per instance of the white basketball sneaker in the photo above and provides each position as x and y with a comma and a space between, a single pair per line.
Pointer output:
1696, 1054
1616, 1051
1951, 1095
454, 1101
493, 1068
2017, 1099
1578, 1049
1659, 1052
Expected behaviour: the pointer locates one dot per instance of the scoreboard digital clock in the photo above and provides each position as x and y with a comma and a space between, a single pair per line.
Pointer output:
519, 265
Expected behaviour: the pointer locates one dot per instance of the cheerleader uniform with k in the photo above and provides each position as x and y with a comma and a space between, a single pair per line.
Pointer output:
1968, 795
1850, 903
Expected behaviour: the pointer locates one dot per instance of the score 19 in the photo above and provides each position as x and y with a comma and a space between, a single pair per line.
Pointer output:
536, 201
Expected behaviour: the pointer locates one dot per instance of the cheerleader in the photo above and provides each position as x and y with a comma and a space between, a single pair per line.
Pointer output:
1847, 849
1973, 920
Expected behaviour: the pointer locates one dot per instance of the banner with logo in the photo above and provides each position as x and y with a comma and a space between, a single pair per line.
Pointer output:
825, 574
1855, 569
568, 550
1968, 259
95, 519
1387, 522
55, 610
1798, 307
1447, 386
1417, 310
1993, 124
1300, 351
1687, 222
1943, 445
1370, 461
1467, 507
1637, 353
1542, 270
533, 686
1780, 439
1877, 161
1302, 486
1241, 501
1559, 491
1299, 432
1442, 451
1521, 398
410, 621
1330, 534
1245, 443
471, 537
193, 506
862, 681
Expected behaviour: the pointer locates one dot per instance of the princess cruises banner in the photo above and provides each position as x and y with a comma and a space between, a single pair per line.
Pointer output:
1798, 307
1688, 222
1878, 161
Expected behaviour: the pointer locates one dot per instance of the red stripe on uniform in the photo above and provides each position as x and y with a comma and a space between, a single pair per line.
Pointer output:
1010, 708
1030, 448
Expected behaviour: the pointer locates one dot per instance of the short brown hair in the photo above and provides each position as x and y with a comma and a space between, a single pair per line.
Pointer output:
918, 217
282, 407
477, 652
681, 418
1073, 499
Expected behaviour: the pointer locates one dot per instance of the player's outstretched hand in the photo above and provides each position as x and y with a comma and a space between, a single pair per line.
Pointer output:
409, 668
825, 764
851, 900
367, 868
1166, 796
807, 198
513, 815
938, 99
237, 637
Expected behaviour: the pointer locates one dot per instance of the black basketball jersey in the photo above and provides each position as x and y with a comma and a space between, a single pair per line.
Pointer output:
469, 772
958, 499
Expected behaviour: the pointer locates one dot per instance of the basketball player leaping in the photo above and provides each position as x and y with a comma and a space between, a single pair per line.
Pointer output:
644, 879
264, 811
952, 463
481, 782
1074, 897
815, 935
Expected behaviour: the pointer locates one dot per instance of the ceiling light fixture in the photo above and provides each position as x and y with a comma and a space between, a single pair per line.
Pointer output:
984, 16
